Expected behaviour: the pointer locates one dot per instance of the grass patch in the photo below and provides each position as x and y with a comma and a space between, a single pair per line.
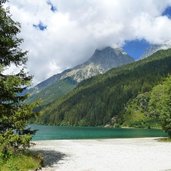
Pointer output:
165, 140
21, 162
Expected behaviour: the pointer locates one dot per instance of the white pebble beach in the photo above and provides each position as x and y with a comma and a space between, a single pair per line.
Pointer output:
134, 154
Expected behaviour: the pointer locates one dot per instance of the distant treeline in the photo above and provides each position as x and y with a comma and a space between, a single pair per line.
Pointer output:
107, 98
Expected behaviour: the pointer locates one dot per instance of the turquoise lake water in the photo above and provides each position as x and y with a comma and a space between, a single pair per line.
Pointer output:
56, 132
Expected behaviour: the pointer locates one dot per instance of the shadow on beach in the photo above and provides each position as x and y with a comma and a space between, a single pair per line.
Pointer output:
50, 157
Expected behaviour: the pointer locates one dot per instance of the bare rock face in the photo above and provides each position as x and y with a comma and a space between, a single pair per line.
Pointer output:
100, 62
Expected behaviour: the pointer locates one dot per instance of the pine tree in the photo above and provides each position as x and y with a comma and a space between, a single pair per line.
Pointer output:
14, 113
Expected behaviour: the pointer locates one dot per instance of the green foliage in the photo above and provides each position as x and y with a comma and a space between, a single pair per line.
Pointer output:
10, 50
51, 92
97, 100
165, 139
136, 112
160, 104
14, 114
21, 162
151, 109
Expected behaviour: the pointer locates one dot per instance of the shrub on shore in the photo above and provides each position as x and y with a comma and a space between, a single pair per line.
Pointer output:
22, 161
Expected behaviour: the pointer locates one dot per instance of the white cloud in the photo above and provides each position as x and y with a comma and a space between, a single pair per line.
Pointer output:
78, 27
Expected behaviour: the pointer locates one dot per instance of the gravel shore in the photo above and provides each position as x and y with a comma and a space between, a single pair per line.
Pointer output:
138, 154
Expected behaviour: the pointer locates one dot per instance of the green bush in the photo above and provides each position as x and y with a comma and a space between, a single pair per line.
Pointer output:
21, 162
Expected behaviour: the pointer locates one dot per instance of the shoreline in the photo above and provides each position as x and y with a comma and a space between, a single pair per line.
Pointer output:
101, 139
146, 154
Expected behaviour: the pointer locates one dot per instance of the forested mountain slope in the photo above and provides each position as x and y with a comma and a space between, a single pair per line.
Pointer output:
102, 99
60, 84
150, 109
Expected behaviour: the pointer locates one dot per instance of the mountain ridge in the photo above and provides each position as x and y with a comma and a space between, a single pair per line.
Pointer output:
100, 62
101, 99
154, 48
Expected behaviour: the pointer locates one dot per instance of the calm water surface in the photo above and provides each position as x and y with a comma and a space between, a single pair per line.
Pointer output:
56, 132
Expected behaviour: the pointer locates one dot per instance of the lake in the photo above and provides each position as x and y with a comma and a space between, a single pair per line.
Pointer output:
57, 132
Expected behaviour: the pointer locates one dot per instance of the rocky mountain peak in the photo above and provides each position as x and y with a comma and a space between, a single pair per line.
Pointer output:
101, 61
110, 57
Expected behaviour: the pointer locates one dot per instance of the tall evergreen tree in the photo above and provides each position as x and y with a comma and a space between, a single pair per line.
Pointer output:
14, 113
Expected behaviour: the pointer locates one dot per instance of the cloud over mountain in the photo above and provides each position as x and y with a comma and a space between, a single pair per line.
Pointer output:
75, 28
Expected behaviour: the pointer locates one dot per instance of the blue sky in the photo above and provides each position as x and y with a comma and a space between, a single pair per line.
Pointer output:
40, 26
53, 8
167, 12
136, 48
61, 34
